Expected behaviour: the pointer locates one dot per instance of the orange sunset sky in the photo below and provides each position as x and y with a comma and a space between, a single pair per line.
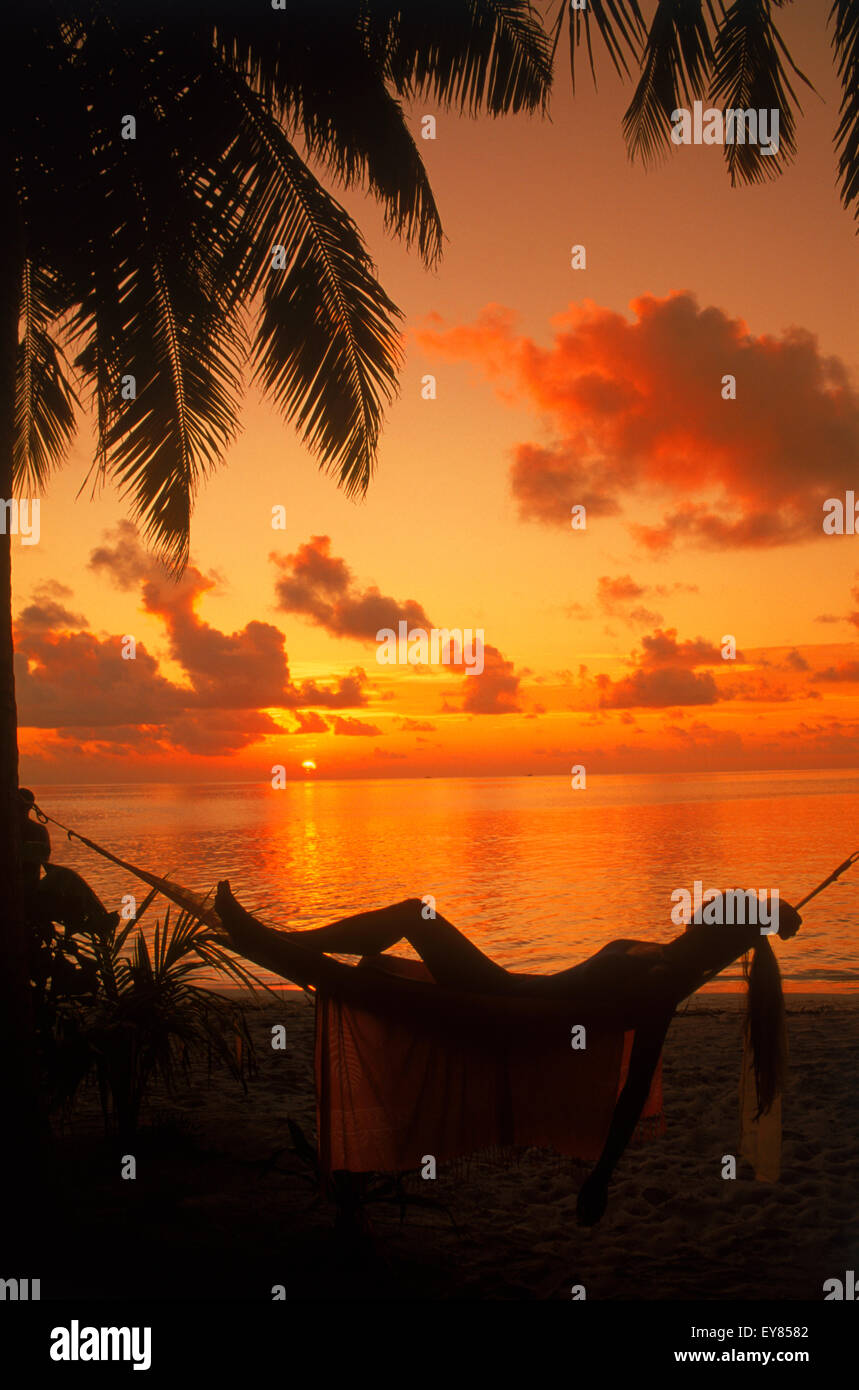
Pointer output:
554, 387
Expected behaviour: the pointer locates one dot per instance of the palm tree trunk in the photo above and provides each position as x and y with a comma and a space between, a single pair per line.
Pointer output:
24, 1150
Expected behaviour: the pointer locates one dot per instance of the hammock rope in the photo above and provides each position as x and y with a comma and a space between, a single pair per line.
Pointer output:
836, 873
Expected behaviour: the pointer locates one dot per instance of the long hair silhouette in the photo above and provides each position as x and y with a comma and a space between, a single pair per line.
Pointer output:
764, 1023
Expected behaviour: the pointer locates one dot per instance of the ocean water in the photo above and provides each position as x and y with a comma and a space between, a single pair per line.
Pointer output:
537, 874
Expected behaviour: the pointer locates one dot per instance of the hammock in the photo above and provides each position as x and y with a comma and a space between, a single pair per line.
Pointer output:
415, 1070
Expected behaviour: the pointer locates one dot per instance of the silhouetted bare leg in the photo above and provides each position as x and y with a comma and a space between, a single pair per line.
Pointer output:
450, 957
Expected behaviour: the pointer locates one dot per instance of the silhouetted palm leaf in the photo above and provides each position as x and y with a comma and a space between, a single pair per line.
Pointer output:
491, 54
157, 245
354, 127
152, 1015
44, 398
741, 49
621, 27
748, 72
677, 59
845, 13
326, 347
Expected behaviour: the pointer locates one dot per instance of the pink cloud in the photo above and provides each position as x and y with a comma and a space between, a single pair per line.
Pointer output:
636, 411
321, 587
355, 727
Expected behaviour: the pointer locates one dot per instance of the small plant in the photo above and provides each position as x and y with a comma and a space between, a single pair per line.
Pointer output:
129, 1017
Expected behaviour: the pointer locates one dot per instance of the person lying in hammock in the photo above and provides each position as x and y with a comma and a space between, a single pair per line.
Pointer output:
628, 984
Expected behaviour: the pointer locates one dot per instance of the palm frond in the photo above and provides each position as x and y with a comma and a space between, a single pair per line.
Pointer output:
748, 73
621, 27
45, 400
361, 138
326, 347
845, 40
155, 308
144, 906
354, 127
107, 948
184, 415
677, 60
470, 55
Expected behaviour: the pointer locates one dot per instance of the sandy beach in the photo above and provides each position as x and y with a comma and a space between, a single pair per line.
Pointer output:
223, 1207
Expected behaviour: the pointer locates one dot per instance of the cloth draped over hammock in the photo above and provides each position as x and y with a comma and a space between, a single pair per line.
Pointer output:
389, 1093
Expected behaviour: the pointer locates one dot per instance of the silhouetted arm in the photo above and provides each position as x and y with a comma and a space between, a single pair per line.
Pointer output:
646, 1051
